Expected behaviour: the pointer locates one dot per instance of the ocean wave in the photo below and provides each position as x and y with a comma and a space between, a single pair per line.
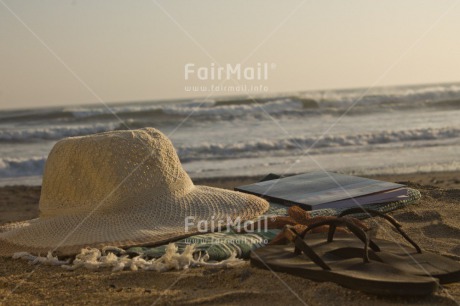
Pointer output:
266, 146
14, 167
35, 115
447, 95
112, 111
82, 113
52, 133
300, 104
395, 98
271, 107
207, 110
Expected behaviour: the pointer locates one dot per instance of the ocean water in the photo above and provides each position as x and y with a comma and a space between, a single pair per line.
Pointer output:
386, 130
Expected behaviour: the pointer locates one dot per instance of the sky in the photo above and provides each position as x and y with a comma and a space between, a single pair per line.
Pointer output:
78, 52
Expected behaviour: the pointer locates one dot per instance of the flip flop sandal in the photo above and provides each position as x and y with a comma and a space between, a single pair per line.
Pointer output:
409, 259
361, 273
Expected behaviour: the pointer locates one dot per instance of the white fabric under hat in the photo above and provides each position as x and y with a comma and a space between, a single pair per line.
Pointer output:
119, 188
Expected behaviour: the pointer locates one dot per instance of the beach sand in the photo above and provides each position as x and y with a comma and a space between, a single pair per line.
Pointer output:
434, 223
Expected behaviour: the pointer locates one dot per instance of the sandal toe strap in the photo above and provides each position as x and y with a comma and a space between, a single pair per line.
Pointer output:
391, 220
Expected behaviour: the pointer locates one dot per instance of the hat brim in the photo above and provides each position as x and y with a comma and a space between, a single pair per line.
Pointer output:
67, 234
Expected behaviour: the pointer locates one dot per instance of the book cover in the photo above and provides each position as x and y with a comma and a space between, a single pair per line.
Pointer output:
320, 189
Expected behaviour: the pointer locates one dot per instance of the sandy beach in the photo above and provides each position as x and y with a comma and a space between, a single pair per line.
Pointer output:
433, 223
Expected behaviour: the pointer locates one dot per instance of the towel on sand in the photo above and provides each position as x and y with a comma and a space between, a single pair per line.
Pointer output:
220, 246
219, 249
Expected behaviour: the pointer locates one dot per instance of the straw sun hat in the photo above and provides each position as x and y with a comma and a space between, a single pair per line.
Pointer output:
120, 188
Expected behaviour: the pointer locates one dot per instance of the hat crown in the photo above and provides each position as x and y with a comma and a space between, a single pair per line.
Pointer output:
110, 169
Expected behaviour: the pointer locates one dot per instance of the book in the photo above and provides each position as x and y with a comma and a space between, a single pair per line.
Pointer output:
321, 189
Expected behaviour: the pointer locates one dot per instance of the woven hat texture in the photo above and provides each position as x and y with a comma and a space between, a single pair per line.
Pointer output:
119, 188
